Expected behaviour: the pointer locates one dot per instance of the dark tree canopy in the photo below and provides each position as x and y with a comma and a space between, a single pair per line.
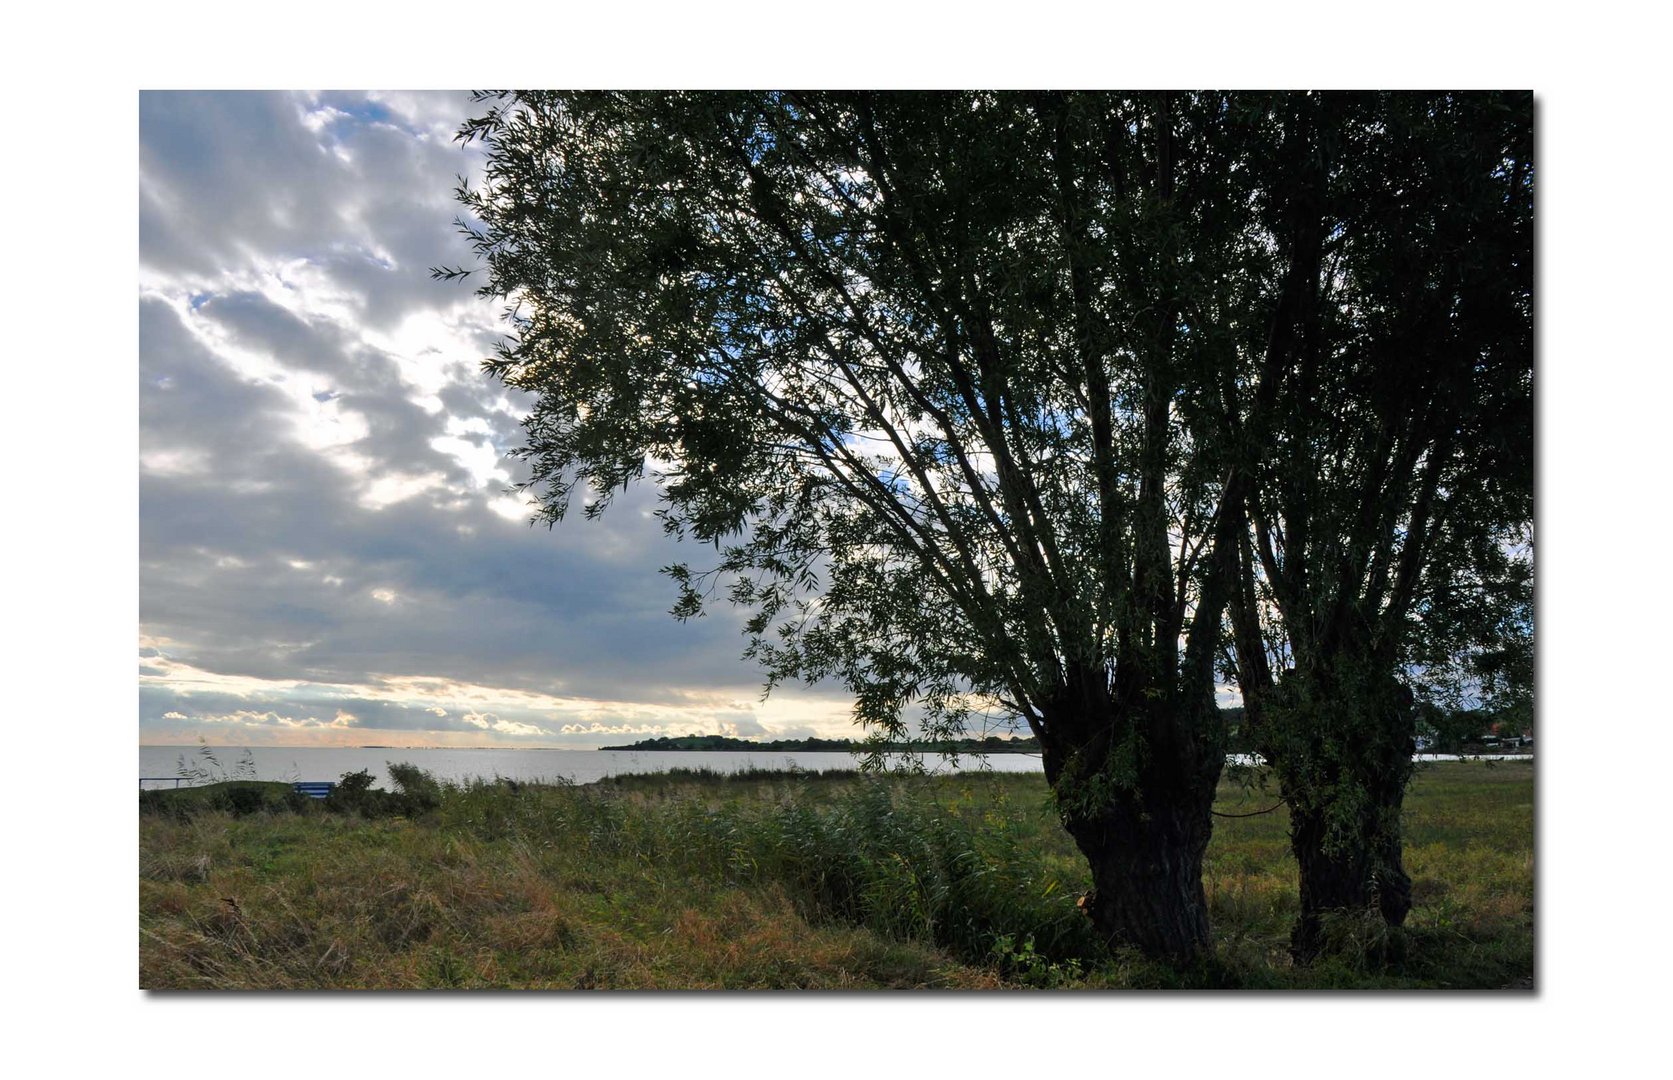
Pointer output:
1390, 520
1396, 493
970, 392
927, 367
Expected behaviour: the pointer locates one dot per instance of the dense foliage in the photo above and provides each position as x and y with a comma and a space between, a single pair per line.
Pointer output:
975, 394
1389, 543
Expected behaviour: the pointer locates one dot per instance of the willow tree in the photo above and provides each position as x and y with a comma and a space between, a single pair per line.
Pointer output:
1389, 524
943, 379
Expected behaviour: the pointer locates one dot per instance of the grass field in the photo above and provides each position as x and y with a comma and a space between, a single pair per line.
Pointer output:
693, 880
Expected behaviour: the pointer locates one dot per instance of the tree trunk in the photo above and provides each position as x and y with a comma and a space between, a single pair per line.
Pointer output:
1146, 859
1342, 749
1340, 880
1135, 789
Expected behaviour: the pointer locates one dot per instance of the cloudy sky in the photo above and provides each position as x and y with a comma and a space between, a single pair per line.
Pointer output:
71, 626
327, 549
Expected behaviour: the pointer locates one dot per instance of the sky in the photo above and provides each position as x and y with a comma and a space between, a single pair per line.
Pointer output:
71, 546
329, 548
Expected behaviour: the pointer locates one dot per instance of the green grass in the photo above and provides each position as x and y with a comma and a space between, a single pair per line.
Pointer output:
698, 880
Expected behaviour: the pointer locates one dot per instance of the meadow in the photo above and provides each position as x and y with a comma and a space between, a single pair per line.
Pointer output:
834, 881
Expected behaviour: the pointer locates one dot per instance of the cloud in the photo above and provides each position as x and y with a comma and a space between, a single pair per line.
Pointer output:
324, 516
181, 701
355, 189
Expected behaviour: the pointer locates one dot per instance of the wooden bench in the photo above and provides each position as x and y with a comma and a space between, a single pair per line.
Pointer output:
314, 789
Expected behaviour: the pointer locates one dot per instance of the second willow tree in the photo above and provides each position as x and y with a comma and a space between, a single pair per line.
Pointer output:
1389, 528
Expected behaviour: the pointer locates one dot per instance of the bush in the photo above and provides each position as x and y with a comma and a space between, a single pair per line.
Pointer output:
354, 793
418, 791
352, 784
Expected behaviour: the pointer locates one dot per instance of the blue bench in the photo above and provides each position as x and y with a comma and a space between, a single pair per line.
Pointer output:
314, 789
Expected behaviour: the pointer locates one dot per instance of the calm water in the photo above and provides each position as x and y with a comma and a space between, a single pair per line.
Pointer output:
290, 763
580, 766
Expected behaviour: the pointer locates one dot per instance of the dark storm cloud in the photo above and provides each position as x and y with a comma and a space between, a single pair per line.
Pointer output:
303, 517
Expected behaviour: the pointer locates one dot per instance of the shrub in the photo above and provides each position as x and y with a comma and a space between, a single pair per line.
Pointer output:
418, 791
354, 793
354, 783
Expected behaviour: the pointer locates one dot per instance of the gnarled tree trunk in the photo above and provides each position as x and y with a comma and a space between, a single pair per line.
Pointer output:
1342, 879
1136, 795
1146, 859
1342, 748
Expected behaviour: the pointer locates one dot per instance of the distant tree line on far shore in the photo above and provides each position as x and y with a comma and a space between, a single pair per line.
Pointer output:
1439, 729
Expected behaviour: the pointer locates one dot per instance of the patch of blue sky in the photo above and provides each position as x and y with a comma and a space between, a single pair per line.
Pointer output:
351, 111
361, 108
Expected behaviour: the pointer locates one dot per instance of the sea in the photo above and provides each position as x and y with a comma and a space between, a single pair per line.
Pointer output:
180, 766
171, 766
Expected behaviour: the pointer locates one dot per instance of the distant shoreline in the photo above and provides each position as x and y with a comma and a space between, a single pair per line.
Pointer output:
993, 744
